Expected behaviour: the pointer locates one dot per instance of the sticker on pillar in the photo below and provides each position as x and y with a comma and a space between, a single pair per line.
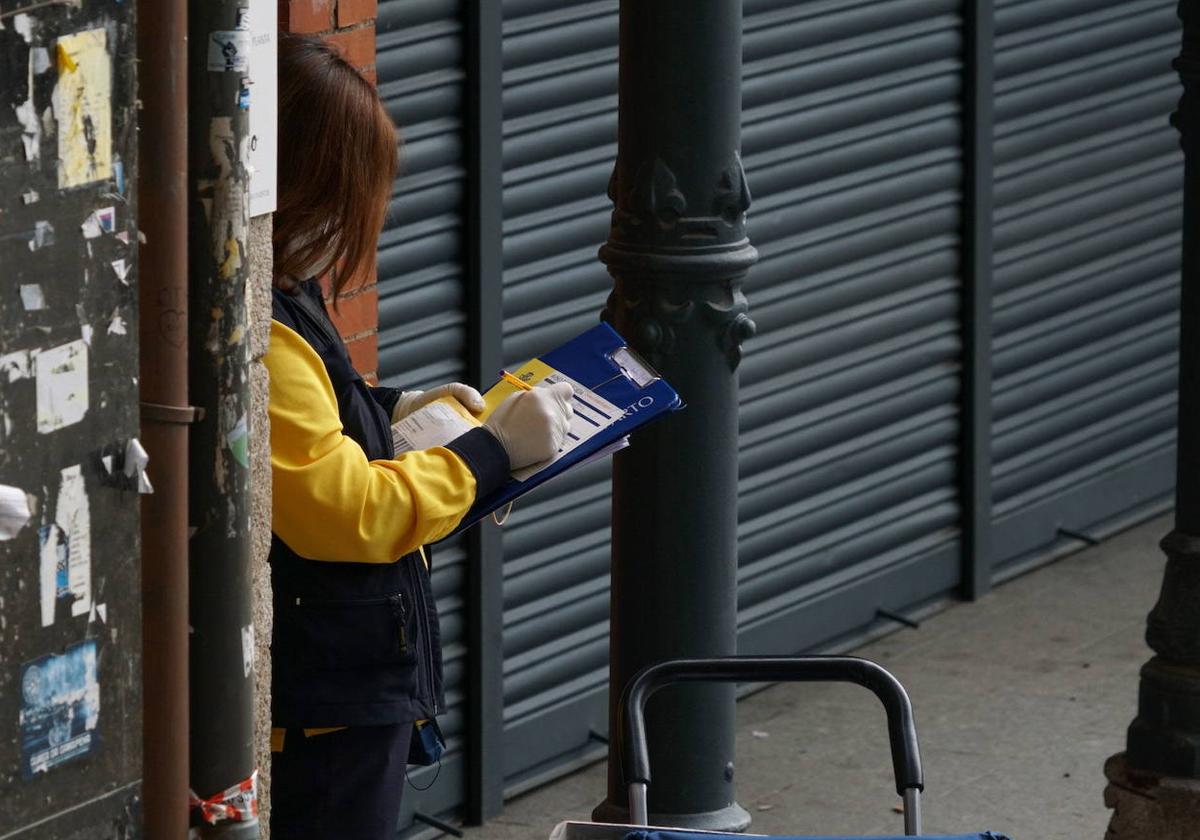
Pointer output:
62, 386
82, 103
60, 708
229, 51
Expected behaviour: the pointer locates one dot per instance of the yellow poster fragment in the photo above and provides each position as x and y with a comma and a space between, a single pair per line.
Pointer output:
82, 104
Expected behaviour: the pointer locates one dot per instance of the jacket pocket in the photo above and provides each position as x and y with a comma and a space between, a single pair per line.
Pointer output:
357, 632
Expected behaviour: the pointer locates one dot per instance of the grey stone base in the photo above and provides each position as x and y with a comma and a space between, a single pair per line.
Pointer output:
1150, 807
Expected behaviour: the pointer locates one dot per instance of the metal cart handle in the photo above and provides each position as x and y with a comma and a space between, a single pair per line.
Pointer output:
902, 730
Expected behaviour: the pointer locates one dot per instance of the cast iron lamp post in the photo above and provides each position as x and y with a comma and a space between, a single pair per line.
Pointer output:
678, 253
1154, 786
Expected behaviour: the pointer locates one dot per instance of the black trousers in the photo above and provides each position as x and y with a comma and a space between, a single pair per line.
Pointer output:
345, 785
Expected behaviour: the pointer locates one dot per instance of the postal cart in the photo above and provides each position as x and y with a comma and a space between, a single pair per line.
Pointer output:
635, 761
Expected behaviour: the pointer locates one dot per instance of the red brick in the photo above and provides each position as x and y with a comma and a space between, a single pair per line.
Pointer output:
350, 12
364, 354
357, 314
306, 15
357, 46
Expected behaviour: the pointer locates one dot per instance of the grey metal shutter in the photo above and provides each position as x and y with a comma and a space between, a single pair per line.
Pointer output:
849, 421
1088, 198
848, 492
560, 124
422, 323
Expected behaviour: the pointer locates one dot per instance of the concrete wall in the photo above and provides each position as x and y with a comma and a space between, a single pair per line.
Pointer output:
259, 292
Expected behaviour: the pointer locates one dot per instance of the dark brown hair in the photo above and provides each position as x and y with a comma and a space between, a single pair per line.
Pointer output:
337, 160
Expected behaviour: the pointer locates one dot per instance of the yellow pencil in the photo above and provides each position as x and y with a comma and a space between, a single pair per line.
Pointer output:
508, 377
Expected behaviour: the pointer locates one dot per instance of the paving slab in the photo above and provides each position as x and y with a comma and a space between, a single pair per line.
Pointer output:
1019, 699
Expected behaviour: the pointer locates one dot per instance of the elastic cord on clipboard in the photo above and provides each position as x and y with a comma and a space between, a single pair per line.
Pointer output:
500, 520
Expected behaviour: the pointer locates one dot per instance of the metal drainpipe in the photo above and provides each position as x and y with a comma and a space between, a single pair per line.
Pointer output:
222, 641
162, 300
1164, 739
678, 253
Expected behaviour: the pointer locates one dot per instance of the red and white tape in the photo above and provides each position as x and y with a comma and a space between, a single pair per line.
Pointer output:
235, 804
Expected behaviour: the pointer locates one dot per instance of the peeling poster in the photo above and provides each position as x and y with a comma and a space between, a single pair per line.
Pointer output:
82, 106
65, 550
60, 708
14, 511
62, 385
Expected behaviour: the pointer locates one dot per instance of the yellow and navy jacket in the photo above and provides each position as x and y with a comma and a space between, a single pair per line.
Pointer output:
355, 640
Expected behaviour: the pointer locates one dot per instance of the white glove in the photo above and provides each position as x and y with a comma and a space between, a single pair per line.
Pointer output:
410, 401
532, 425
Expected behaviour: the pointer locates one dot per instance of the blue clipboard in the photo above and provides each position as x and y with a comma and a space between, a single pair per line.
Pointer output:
601, 361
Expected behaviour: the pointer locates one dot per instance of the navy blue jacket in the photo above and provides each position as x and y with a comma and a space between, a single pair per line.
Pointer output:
357, 644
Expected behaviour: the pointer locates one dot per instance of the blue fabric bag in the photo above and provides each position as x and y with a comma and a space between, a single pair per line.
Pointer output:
652, 834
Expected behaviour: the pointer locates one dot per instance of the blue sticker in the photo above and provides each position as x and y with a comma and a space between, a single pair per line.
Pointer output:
60, 707
244, 95
119, 174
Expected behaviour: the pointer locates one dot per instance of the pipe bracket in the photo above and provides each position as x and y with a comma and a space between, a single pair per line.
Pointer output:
180, 414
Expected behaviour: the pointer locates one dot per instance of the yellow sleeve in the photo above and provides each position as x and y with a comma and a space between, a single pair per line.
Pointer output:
330, 502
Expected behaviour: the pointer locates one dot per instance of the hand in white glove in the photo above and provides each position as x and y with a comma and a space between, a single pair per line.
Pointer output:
532, 425
410, 401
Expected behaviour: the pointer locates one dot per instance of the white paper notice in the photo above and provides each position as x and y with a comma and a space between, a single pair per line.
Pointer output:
62, 386
263, 105
432, 425
14, 511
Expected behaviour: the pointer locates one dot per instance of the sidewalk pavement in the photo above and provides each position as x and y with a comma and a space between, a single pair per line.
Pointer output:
1019, 699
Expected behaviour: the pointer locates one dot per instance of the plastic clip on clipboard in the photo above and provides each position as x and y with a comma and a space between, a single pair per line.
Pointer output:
616, 392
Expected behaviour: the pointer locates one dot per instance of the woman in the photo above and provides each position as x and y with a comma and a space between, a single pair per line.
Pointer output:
355, 658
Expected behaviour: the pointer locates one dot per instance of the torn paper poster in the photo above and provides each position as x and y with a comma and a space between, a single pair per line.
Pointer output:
39, 60
247, 650
53, 570
82, 105
60, 708
136, 460
65, 550
32, 297
31, 131
86, 331
23, 26
91, 227
30, 196
43, 235
117, 325
121, 269
14, 511
15, 366
238, 440
62, 385
119, 176
229, 51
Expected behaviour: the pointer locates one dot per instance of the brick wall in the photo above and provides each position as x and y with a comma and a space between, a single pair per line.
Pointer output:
350, 26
